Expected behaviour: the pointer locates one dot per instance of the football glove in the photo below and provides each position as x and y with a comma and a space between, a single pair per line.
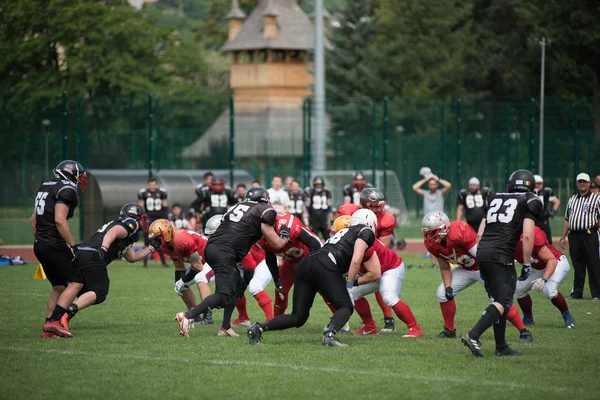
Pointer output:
284, 232
180, 287
279, 290
74, 252
539, 284
449, 293
525, 272
155, 242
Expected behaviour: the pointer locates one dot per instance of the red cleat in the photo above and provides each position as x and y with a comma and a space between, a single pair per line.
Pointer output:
56, 327
367, 330
241, 322
48, 335
414, 332
64, 321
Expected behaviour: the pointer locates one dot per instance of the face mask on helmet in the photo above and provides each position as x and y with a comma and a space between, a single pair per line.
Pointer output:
435, 226
72, 171
436, 235
217, 186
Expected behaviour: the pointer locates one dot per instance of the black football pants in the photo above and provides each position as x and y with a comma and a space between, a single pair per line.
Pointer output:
500, 281
584, 250
315, 273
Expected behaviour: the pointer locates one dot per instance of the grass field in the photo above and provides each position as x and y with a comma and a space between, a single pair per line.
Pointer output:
129, 347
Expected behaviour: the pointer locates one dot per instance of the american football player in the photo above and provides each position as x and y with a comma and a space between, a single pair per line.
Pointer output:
548, 198
318, 206
549, 267
456, 242
472, 203
352, 192
212, 199
154, 200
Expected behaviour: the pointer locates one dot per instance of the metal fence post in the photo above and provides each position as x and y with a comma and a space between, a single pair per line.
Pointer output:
507, 143
64, 142
231, 139
150, 137
80, 158
374, 141
309, 140
442, 133
458, 142
156, 146
385, 144
304, 152
531, 134
575, 134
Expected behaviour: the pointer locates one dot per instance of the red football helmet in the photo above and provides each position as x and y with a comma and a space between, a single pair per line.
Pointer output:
217, 185
348, 209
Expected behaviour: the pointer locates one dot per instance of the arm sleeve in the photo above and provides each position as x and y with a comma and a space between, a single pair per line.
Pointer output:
271, 261
268, 216
67, 195
461, 199
310, 240
367, 235
130, 225
534, 207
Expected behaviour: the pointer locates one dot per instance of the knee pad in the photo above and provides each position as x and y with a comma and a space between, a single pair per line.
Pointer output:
390, 298
441, 294
507, 304
100, 296
550, 293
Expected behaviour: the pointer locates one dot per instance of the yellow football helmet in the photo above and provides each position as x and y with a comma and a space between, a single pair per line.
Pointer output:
341, 222
161, 228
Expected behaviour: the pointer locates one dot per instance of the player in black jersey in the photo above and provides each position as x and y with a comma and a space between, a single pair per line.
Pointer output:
318, 206
322, 271
182, 220
547, 197
508, 215
54, 246
112, 241
472, 203
154, 201
242, 226
212, 199
298, 202
352, 192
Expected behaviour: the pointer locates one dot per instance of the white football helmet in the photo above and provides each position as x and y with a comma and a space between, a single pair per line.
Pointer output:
212, 224
366, 217
435, 226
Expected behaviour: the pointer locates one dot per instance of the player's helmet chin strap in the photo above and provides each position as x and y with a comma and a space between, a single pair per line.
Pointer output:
436, 235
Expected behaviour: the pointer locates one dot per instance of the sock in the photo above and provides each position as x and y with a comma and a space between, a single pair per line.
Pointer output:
72, 310
264, 301
213, 301
406, 315
526, 305
387, 310
448, 312
500, 331
560, 302
190, 307
227, 311
241, 308
490, 315
57, 313
364, 311
514, 318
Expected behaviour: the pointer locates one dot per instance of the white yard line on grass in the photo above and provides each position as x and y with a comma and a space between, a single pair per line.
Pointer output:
307, 368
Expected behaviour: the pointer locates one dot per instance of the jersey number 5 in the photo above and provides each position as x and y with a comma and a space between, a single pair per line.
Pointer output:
40, 202
237, 212
495, 215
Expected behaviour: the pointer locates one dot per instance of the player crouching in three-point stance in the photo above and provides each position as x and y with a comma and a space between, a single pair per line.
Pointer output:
456, 242
549, 267
507, 216
111, 242
242, 226
322, 271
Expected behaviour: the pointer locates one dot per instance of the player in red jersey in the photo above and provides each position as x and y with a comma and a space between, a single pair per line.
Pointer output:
456, 242
549, 267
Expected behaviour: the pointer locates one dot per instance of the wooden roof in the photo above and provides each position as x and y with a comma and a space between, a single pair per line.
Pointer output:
294, 28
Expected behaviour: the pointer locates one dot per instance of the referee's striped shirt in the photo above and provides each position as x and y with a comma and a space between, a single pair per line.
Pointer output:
583, 212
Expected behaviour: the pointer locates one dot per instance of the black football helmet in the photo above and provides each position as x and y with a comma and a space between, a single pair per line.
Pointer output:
257, 194
318, 181
521, 180
72, 171
137, 212
358, 180
373, 199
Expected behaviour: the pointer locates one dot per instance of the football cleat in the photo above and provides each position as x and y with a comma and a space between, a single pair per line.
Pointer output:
414, 332
506, 351
473, 345
345, 330
227, 332
446, 334
528, 319
568, 320
48, 335
525, 337
205, 320
367, 330
255, 333
241, 322
389, 325
64, 321
57, 328
331, 341
184, 324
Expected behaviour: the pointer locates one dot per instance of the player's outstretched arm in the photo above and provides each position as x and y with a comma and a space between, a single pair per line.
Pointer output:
60, 218
528, 236
133, 256
373, 267
272, 237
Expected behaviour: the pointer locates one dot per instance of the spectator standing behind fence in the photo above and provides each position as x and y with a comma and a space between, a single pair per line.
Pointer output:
581, 222
433, 198
595, 186
154, 201
472, 203
547, 197
240, 192
280, 198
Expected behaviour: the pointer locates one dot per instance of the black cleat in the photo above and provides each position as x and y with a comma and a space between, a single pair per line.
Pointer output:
389, 325
525, 337
506, 351
473, 345
255, 333
446, 334
330, 340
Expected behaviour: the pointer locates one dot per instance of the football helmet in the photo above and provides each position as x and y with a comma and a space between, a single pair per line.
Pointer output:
212, 224
137, 212
373, 199
348, 209
318, 182
358, 180
366, 217
341, 222
521, 180
538, 179
217, 185
435, 227
257, 194
72, 171
161, 228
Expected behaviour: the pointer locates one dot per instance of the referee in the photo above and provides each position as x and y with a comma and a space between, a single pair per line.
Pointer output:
581, 222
